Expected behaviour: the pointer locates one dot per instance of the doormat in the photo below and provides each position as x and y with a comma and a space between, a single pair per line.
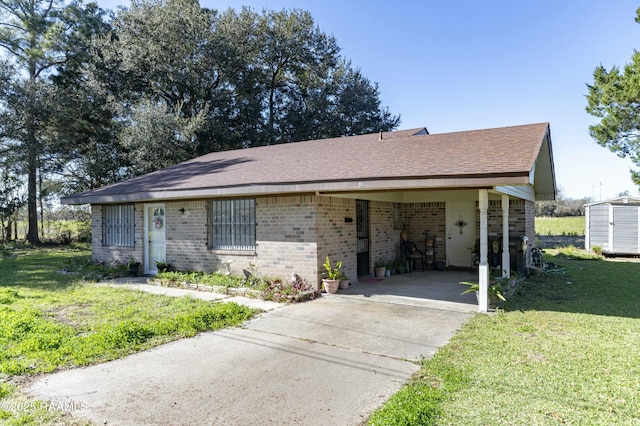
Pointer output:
371, 280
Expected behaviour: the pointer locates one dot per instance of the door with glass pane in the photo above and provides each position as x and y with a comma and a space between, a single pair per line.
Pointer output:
155, 236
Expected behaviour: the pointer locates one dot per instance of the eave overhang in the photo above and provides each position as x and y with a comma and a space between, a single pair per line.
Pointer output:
327, 187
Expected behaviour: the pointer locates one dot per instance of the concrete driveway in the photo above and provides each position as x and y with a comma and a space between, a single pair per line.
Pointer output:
329, 361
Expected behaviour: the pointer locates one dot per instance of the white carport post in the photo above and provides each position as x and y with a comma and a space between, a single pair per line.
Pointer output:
506, 256
483, 270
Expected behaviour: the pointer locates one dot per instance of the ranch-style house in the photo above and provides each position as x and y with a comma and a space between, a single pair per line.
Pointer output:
466, 198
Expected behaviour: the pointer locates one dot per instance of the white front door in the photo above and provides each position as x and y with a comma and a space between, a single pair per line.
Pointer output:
461, 232
155, 237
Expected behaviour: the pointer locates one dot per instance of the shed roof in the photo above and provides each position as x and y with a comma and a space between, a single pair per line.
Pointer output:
387, 161
617, 201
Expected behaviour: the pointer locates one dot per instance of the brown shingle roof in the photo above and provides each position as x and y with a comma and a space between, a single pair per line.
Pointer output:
407, 154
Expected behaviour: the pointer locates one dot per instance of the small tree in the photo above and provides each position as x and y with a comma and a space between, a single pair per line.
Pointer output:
613, 97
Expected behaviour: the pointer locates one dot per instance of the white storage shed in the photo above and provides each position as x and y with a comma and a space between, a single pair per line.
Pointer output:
613, 225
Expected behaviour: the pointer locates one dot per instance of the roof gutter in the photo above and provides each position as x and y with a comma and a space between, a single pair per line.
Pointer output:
325, 188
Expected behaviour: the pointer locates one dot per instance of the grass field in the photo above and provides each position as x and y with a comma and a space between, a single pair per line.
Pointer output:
565, 350
571, 225
58, 230
51, 320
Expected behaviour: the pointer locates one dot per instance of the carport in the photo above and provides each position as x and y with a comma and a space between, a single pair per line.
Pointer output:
474, 212
461, 224
429, 289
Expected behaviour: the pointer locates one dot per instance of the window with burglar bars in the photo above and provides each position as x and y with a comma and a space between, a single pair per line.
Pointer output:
233, 224
118, 225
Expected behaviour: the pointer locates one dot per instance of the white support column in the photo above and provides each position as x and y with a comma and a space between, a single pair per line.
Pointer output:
506, 256
483, 270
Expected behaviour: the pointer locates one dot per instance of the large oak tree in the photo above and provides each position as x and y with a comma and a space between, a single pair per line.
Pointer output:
88, 99
230, 80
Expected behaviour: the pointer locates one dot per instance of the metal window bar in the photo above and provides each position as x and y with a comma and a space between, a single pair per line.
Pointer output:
118, 225
233, 225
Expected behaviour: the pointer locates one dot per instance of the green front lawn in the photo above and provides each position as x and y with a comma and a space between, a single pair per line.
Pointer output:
570, 225
566, 350
51, 320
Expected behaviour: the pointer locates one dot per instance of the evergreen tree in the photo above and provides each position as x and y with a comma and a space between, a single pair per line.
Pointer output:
38, 36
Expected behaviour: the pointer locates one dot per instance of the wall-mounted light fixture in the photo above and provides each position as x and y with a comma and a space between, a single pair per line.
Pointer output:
181, 210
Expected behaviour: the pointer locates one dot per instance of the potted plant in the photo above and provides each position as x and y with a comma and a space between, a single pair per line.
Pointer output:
162, 265
133, 267
401, 266
495, 290
380, 269
332, 282
344, 281
391, 268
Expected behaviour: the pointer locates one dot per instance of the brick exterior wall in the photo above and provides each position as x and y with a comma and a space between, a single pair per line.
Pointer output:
426, 220
187, 237
286, 237
517, 218
286, 233
295, 233
384, 241
530, 227
337, 237
101, 253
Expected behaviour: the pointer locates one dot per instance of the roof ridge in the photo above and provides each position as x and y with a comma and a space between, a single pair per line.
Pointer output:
546, 123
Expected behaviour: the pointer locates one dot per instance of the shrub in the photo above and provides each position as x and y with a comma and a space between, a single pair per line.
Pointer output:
212, 279
8, 295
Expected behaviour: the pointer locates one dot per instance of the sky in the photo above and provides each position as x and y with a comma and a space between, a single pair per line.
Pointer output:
467, 64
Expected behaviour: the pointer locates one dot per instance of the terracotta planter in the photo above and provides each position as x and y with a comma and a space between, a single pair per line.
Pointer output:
380, 271
344, 284
331, 286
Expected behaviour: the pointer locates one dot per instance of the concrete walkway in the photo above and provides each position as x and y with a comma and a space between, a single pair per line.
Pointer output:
328, 361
